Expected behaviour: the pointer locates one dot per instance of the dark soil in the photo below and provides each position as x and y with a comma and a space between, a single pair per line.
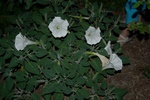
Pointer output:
131, 78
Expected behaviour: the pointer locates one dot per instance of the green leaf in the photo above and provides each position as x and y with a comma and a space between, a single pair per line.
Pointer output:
21, 85
66, 90
83, 93
58, 96
9, 83
20, 76
119, 93
31, 84
43, 2
2, 51
137, 4
104, 85
4, 89
102, 93
124, 59
13, 62
35, 96
47, 97
44, 30
7, 55
84, 12
49, 88
117, 30
2, 62
41, 53
32, 68
48, 73
32, 57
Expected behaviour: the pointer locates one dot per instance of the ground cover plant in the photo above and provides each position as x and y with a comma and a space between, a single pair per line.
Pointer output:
62, 48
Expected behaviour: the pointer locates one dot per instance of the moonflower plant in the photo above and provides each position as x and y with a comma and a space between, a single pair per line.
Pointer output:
108, 48
114, 62
21, 42
93, 35
58, 27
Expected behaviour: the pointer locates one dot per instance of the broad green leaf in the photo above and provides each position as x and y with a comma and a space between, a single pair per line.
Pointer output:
104, 85
58, 96
32, 68
49, 88
9, 83
137, 4
31, 84
36, 96
7, 55
117, 30
21, 85
119, 93
20, 76
57, 68
124, 59
2, 62
2, 51
13, 62
84, 12
43, 2
32, 57
4, 89
48, 73
89, 83
47, 97
83, 93
45, 30
41, 53
66, 90
101, 93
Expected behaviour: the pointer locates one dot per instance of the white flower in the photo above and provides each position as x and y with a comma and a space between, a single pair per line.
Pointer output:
93, 35
108, 48
114, 62
21, 42
103, 59
58, 27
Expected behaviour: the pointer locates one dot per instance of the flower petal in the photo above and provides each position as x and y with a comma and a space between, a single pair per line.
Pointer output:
93, 35
108, 48
114, 62
21, 42
58, 27
103, 59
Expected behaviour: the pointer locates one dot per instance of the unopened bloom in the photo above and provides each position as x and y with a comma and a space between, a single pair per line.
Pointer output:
58, 27
103, 59
93, 35
114, 62
21, 42
108, 48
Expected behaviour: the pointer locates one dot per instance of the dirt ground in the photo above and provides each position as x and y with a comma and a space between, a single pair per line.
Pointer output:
131, 77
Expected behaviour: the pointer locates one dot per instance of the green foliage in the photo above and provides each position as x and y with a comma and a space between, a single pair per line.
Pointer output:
58, 67
140, 26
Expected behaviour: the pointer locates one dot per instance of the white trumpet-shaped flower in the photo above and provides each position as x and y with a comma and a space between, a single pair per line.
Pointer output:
108, 48
103, 59
114, 62
58, 27
93, 35
21, 42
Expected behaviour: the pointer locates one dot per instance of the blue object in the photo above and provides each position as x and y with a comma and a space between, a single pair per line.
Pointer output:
132, 14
